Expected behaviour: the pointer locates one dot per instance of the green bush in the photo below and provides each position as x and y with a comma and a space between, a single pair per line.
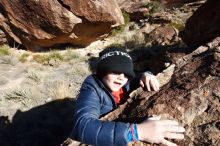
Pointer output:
4, 50
154, 7
69, 55
121, 28
46, 58
40, 58
178, 26
55, 56
23, 57
126, 17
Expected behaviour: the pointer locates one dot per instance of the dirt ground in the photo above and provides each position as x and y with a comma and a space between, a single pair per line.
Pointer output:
37, 101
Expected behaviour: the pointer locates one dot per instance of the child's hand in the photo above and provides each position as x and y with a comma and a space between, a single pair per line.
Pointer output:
149, 81
155, 131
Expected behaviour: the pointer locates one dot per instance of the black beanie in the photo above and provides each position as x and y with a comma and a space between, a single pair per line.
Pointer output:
115, 59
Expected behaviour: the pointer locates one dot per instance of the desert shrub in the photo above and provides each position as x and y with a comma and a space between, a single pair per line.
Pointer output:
178, 26
40, 58
126, 17
18, 94
24, 96
154, 7
46, 58
60, 90
69, 55
55, 56
117, 30
34, 75
121, 28
23, 57
4, 50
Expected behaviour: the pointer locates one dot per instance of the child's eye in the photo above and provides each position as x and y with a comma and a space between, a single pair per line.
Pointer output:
118, 73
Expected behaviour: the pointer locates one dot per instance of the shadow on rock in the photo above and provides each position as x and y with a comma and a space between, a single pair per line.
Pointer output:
203, 26
45, 125
152, 59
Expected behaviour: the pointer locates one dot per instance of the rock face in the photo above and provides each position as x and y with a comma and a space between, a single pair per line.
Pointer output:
191, 96
38, 24
203, 26
2, 38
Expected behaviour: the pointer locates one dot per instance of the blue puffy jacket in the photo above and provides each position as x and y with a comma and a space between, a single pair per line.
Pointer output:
94, 101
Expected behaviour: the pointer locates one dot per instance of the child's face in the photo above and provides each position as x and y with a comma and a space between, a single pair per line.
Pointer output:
115, 81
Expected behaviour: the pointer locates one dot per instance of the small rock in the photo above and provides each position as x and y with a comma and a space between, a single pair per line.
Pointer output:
218, 49
167, 64
200, 50
216, 93
217, 56
214, 43
48, 100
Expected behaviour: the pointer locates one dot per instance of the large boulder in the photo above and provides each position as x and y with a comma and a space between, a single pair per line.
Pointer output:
190, 93
203, 26
39, 24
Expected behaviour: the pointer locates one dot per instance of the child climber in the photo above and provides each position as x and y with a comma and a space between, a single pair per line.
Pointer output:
103, 92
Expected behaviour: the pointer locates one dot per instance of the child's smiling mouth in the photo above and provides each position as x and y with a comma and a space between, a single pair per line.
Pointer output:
117, 83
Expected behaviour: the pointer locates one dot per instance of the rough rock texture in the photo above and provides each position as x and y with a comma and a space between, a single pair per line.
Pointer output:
163, 35
173, 3
57, 22
135, 8
192, 96
2, 38
203, 26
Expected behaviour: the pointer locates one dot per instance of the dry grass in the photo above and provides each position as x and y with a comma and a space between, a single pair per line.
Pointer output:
46, 58
70, 54
121, 28
60, 90
34, 75
154, 7
18, 94
25, 96
4, 50
23, 57
57, 56
81, 70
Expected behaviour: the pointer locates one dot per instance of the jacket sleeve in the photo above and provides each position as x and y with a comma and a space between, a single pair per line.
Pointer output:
89, 129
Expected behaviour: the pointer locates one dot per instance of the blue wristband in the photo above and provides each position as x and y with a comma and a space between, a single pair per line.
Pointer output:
130, 139
132, 133
135, 132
